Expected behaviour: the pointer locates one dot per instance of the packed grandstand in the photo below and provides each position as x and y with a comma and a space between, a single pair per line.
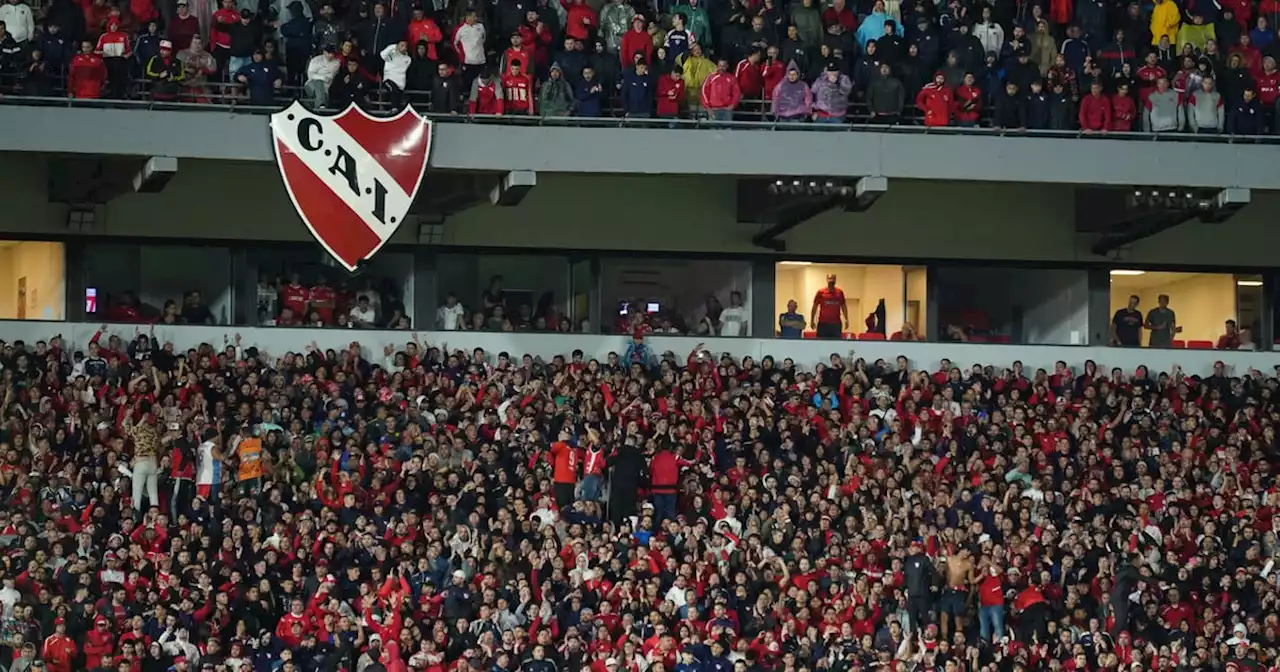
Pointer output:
1198, 66
436, 507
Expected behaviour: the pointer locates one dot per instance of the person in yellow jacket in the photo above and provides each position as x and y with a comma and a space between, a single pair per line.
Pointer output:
695, 67
1165, 21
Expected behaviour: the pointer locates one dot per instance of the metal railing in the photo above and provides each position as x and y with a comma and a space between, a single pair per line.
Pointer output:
751, 114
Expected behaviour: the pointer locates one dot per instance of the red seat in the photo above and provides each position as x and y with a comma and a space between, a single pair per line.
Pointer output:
895, 336
1001, 338
1179, 344
871, 336
977, 339
809, 334
1200, 345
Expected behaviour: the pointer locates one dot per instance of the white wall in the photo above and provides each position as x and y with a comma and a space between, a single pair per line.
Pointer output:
1054, 303
807, 353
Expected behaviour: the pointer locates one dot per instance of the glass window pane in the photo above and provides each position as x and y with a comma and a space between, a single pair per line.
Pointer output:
503, 292
1012, 305
1190, 309
327, 295
160, 283
677, 296
875, 299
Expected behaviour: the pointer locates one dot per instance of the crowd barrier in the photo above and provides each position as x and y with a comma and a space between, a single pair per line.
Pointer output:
276, 341
751, 114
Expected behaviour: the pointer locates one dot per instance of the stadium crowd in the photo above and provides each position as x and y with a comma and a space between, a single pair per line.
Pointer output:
433, 507
1203, 66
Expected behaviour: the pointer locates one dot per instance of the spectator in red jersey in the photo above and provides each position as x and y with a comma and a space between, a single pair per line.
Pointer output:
518, 53
636, 41
936, 100
224, 21
295, 296
517, 91
840, 14
1269, 92
1124, 111
1148, 75
1230, 340
323, 302
1095, 111
774, 71
830, 311
423, 28
182, 27
486, 95
580, 20
87, 73
720, 93
671, 94
115, 49
750, 74
968, 102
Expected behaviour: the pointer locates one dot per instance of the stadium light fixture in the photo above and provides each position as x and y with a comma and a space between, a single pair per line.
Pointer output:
1127, 272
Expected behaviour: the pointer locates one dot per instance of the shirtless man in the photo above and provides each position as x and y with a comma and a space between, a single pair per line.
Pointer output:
960, 575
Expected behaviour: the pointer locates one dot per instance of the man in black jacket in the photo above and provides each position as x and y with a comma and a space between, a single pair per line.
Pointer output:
447, 95
627, 475
921, 585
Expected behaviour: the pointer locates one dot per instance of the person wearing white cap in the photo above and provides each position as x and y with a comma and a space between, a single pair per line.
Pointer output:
165, 73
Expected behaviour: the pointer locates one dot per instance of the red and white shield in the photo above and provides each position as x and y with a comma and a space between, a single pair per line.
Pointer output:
351, 176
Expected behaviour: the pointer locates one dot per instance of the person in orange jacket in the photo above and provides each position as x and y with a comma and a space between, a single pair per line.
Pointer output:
936, 100
59, 649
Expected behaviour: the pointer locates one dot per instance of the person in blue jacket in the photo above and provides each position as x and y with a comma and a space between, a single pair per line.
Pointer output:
637, 91
261, 79
589, 94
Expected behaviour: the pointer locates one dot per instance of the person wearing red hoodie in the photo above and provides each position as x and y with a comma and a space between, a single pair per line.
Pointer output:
580, 20
115, 50
1124, 110
750, 74
720, 93
99, 644
636, 41
59, 650
670, 94
664, 475
424, 29
87, 73
968, 102
1095, 111
936, 101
